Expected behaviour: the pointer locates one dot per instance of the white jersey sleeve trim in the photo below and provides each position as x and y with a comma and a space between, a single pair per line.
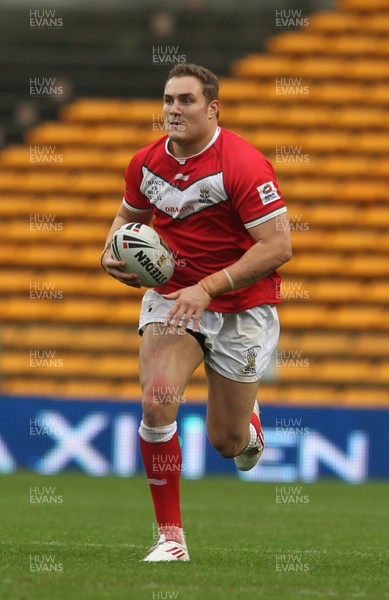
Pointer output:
133, 208
265, 218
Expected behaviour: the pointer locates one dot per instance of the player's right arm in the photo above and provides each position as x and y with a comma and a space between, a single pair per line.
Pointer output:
110, 265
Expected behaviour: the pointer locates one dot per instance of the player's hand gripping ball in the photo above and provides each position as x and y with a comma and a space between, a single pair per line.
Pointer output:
144, 253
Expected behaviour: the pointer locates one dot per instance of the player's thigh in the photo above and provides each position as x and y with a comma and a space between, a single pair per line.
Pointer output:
167, 360
230, 405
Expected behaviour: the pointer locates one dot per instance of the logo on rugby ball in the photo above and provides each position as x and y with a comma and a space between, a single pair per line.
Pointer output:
144, 253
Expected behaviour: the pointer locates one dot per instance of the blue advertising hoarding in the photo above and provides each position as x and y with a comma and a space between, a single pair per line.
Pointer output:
100, 438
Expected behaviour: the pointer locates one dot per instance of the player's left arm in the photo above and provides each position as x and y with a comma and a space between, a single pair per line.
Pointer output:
272, 248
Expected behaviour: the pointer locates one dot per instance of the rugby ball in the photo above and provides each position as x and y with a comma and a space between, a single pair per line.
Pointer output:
144, 253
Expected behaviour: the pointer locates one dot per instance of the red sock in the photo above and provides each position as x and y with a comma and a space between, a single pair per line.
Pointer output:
256, 423
162, 462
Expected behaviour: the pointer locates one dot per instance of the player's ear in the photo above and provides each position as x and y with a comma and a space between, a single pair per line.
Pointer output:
213, 109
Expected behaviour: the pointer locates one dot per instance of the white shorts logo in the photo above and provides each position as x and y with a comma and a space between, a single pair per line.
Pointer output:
250, 357
268, 192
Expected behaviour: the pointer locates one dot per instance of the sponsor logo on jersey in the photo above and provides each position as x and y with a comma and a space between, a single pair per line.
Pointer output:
179, 209
268, 192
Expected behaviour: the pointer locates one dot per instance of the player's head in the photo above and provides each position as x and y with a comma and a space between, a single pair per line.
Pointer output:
208, 80
191, 103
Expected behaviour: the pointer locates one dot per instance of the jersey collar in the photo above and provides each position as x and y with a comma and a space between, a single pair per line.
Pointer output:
182, 160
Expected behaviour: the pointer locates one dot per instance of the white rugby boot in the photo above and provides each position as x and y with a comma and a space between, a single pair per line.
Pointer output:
249, 457
165, 550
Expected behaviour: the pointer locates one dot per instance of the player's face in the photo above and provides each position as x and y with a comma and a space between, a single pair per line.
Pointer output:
189, 120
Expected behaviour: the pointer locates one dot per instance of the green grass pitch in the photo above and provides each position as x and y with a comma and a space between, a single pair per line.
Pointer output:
244, 543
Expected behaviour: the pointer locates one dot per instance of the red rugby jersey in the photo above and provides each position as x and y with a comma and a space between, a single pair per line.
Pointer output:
204, 207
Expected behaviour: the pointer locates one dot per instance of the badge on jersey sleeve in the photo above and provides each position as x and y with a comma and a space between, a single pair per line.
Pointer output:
268, 192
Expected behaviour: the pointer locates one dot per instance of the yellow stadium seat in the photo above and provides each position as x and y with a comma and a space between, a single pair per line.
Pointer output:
325, 370
82, 337
236, 90
297, 43
322, 67
91, 109
358, 317
353, 45
377, 216
309, 190
381, 373
262, 66
375, 143
328, 343
142, 112
251, 115
325, 394
378, 291
329, 92
345, 166
368, 265
355, 240
58, 134
302, 116
376, 22
365, 191
335, 22
324, 141
335, 291
367, 69
360, 5
357, 118
307, 316
84, 135
111, 110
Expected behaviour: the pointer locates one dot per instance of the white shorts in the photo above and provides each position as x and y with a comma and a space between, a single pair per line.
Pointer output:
236, 345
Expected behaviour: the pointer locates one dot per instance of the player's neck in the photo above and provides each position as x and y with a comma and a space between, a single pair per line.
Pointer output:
186, 150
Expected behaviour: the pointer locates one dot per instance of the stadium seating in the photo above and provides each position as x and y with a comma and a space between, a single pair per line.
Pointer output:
316, 105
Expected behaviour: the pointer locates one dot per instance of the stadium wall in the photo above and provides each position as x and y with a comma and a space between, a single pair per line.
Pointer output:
100, 438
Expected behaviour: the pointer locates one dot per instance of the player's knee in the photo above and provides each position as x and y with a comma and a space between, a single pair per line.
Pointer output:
151, 405
227, 445
158, 403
